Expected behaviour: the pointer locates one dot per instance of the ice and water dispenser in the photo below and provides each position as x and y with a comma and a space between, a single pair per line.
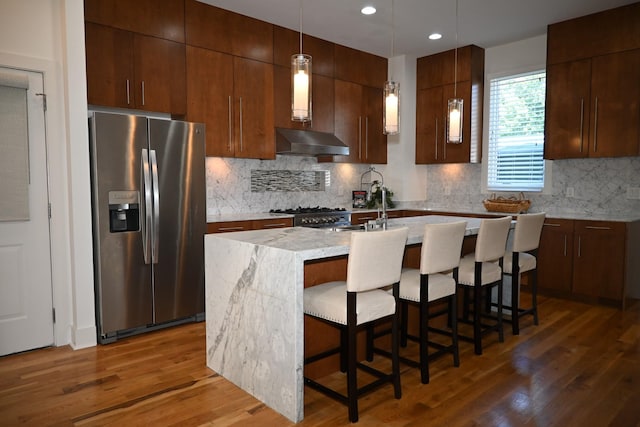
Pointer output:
124, 211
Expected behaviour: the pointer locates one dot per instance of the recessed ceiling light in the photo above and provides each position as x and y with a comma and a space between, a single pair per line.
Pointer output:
435, 36
368, 10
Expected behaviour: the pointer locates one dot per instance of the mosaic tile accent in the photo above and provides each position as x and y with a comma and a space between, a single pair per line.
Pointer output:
287, 180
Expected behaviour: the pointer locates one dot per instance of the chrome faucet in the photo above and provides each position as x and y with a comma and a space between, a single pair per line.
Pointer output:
382, 217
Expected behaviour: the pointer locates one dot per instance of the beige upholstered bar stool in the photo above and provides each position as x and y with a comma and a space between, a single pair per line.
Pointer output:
435, 280
522, 259
375, 261
482, 270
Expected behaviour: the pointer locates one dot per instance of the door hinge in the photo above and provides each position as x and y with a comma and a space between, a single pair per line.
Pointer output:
53, 310
44, 100
49, 209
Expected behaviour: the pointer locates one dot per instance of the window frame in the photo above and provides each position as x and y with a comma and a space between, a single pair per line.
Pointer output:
548, 164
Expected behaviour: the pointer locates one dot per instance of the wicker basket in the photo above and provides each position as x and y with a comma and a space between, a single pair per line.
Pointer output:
510, 205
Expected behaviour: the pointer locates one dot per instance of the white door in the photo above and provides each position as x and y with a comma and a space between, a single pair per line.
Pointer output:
26, 307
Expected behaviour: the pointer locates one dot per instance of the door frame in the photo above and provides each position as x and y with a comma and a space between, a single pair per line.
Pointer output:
71, 268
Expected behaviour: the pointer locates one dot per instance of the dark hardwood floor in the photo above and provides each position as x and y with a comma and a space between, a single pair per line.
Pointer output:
579, 367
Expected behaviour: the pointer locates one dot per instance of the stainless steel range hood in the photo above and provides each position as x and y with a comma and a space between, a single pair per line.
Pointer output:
309, 143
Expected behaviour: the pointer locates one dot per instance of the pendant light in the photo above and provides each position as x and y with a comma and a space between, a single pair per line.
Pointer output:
391, 95
455, 105
301, 83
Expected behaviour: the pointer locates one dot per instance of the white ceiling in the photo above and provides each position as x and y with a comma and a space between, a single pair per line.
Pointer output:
486, 23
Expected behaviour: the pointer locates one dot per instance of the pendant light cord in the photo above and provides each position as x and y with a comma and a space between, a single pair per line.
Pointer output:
393, 34
455, 59
300, 27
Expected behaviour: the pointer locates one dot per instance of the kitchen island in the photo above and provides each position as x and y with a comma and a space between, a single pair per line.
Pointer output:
254, 304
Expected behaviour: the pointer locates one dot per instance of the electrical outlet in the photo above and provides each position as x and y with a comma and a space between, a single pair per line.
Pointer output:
633, 193
570, 192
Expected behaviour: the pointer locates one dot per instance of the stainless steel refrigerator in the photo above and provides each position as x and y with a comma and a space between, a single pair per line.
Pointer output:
149, 221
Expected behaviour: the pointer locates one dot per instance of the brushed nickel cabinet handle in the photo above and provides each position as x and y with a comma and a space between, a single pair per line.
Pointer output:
593, 227
241, 136
595, 129
436, 138
360, 137
230, 228
551, 224
565, 245
366, 137
143, 92
581, 122
128, 93
280, 224
230, 124
579, 246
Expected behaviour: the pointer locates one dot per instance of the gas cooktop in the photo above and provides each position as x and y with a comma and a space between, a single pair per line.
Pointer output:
318, 217
307, 210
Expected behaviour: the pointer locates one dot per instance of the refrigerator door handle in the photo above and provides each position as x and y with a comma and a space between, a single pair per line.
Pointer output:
155, 237
145, 183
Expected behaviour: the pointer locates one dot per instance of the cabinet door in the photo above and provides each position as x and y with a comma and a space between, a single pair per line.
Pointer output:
164, 19
360, 67
348, 119
322, 98
253, 109
160, 75
109, 55
555, 255
224, 31
430, 127
567, 110
598, 263
615, 94
210, 97
374, 139
363, 217
287, 43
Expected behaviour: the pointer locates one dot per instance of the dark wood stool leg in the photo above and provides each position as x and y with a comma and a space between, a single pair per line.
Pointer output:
515, 293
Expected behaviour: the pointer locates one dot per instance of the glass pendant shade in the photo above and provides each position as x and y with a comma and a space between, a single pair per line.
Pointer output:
301, 88
391, 108
454, 121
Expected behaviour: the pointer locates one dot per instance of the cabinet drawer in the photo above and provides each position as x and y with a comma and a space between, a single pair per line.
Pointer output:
228, 226
262, 224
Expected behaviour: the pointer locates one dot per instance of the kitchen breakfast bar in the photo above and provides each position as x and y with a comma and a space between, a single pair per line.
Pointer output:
254, 304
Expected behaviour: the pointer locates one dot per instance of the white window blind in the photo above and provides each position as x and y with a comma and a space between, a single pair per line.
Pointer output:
516, 132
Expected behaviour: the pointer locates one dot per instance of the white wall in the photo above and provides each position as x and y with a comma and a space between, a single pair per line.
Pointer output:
402, 175
48, 36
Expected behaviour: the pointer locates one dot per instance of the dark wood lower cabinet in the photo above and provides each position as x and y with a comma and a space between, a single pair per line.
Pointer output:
592, 261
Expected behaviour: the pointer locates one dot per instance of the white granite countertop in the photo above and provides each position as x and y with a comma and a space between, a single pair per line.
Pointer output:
316, 243
550, 214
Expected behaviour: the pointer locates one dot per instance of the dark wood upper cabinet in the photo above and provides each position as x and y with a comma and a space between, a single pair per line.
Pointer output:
224, 31
360, 67
130, 70
613, 30
358, 123
322, 98
158, 18
233, 96
287, 42
436, 83
593, 90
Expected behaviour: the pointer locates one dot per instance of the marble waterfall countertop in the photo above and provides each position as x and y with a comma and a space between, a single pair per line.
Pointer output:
551, 213
254, 307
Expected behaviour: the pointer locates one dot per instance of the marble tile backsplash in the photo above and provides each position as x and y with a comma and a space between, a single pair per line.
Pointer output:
600, 187
233, 187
